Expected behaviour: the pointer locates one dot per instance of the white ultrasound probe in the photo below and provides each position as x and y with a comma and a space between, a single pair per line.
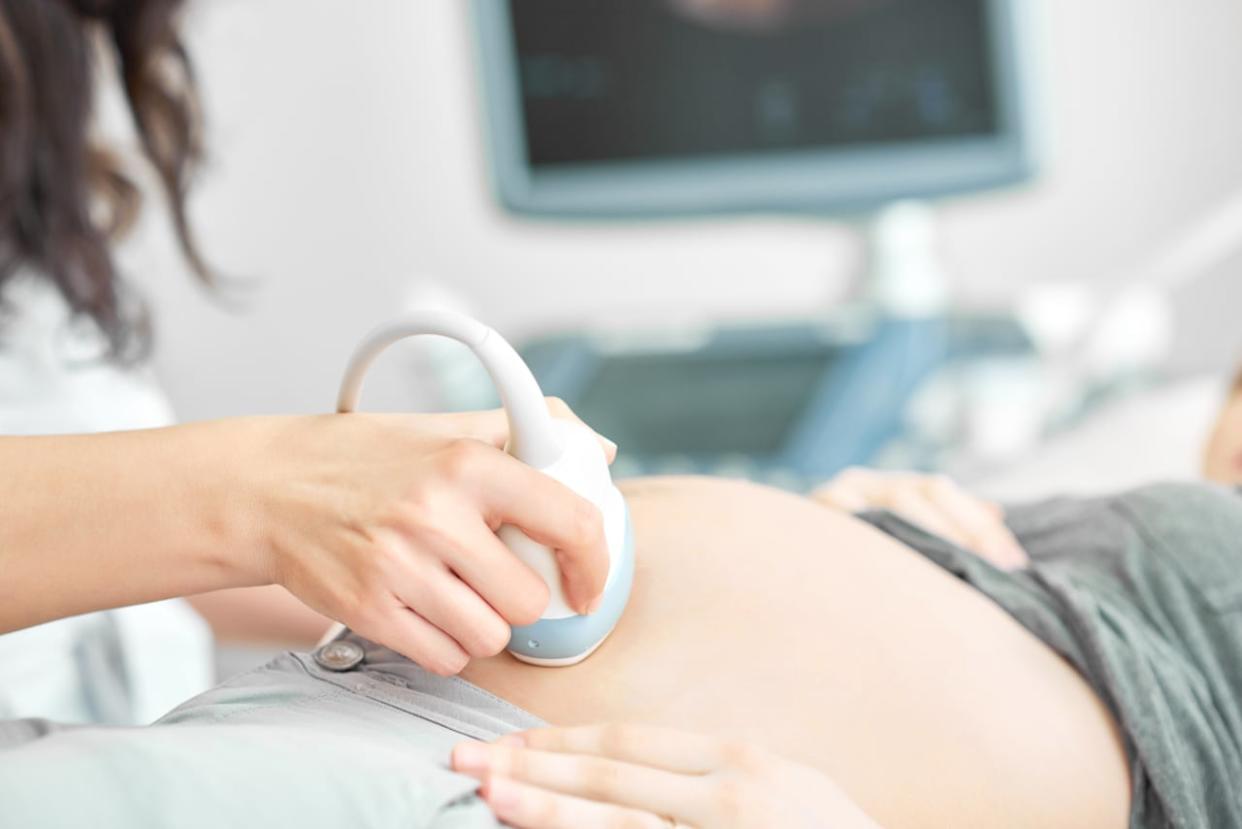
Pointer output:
562, 449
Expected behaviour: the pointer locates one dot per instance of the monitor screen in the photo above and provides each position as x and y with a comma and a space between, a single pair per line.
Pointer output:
603, 80
636, 108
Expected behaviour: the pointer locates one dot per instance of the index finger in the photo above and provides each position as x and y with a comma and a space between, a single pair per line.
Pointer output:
492, 426
551, 514
661, 748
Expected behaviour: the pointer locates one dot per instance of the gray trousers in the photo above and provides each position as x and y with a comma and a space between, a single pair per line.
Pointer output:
350, 735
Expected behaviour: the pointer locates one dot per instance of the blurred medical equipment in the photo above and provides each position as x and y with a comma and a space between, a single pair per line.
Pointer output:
1153, 434
1124, 323
855, 110
787, 405
563, 449
1100, 386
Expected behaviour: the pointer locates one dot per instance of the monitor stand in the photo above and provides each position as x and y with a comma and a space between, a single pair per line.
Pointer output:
903, 272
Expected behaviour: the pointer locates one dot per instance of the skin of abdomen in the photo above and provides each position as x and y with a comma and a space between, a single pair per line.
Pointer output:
762, 616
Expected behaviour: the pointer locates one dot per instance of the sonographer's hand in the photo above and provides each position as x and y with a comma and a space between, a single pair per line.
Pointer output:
627, 775
933, 502
387, 523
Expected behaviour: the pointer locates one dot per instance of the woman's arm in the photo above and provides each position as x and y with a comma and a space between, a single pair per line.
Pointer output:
383, 522
268, 615
97, 521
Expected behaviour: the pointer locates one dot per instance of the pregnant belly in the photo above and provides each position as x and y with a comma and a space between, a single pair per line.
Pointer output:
762, 616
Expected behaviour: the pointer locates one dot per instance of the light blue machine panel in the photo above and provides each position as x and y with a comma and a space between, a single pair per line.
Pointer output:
786, 405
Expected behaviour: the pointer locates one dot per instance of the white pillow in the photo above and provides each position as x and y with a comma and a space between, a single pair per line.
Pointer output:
1158, 434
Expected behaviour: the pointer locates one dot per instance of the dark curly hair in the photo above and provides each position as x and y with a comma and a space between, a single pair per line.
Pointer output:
63, 199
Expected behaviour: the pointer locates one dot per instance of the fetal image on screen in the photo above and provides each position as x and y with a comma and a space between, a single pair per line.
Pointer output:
603, 80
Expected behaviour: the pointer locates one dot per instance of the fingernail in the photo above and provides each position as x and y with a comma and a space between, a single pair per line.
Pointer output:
501, 795
1017, 555
470, 758
512, 740
1007, 555
594, 604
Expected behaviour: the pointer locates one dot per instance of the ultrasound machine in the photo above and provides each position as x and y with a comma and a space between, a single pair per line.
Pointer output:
862, 112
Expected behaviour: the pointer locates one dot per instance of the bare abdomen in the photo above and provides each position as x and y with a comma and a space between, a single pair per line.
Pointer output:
761, 615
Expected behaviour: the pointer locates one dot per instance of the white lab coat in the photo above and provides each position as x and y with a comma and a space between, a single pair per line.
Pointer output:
121, 666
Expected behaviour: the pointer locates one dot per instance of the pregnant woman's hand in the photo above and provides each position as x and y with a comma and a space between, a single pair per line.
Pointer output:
387, 523
932, 502
635, 776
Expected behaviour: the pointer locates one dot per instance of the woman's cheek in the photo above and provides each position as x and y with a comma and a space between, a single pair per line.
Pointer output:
1223, 462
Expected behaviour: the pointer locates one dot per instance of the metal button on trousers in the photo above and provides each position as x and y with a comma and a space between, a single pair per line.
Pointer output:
340, 655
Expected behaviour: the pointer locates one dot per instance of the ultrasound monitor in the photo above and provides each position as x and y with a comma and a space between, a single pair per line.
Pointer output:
633, 108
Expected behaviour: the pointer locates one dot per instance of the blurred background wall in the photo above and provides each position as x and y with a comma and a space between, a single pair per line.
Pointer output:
347, 170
